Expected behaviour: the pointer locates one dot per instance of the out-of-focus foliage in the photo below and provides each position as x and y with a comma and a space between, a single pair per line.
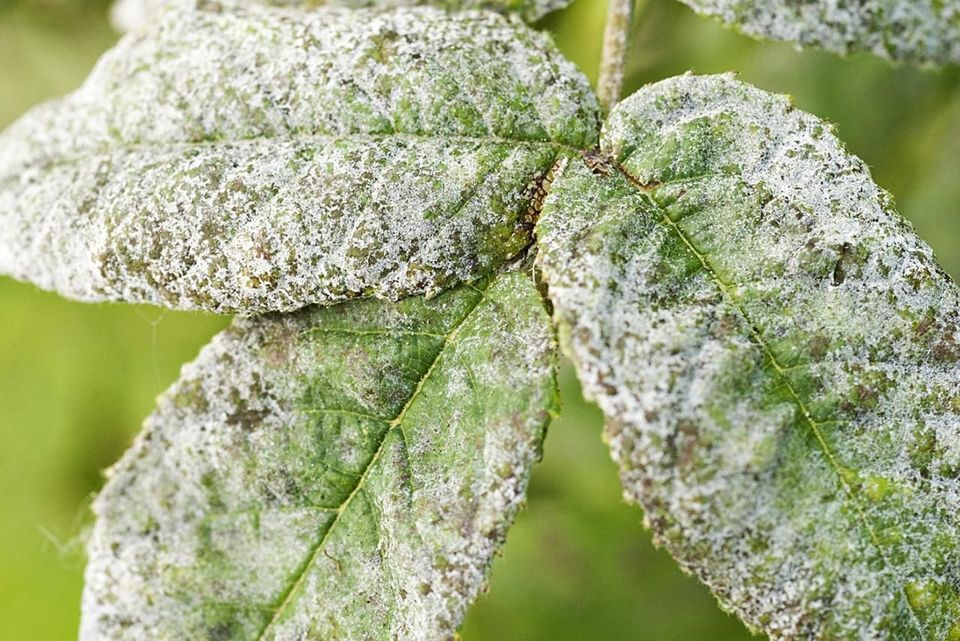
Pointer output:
76, 380
924, 32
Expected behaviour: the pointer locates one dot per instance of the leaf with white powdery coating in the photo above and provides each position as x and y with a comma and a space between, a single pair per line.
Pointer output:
918, 31
778, 358
128, 15
250, 158
528, 9
338, 473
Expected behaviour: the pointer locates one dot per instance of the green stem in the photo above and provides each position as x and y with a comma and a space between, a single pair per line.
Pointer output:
615, 44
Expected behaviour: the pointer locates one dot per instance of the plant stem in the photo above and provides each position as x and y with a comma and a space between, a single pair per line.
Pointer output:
615, 44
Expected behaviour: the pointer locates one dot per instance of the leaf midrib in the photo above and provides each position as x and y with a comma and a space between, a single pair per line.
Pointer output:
395, 424
108, 149
757, 338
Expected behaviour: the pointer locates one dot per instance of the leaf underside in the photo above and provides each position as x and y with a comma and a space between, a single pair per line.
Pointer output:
918, 31
250, 158
778, 358
128, 15
338, 473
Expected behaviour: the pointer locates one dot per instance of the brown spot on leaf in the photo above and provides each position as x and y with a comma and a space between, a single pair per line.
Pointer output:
819, 346
946, 350
840, 269
599, 164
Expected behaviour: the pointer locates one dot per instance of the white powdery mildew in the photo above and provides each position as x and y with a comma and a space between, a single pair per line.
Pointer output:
245, 159
777, 355
128, 15
920, 31
339, 473
529, 9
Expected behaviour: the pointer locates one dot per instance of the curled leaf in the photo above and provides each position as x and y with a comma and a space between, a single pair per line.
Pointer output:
339, 473
919, 31
778, 357
250, 159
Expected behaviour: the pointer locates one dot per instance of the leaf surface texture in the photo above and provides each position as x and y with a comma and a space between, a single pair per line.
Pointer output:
919, 31
338, 473
778, 358
251, 158
128, 15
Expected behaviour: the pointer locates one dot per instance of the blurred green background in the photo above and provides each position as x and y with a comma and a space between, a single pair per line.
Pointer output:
76, 380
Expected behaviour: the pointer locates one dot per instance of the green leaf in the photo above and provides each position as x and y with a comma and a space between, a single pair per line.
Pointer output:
528, 9
919, 31
128, 15
250, 159
778, 358
339, 473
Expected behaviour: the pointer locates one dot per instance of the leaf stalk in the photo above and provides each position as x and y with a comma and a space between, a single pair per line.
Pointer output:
616, 38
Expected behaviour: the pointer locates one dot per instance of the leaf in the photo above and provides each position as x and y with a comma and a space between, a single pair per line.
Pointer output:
530, 10
778, 358
251, 159
128, 15
918, 31
338, 473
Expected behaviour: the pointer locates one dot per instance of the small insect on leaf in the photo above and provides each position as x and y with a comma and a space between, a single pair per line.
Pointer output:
338, 473
245, 158
919, 31
778, 358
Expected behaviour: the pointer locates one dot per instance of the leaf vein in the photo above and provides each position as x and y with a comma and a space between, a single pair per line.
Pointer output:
395, 424
757, 338
48, 163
